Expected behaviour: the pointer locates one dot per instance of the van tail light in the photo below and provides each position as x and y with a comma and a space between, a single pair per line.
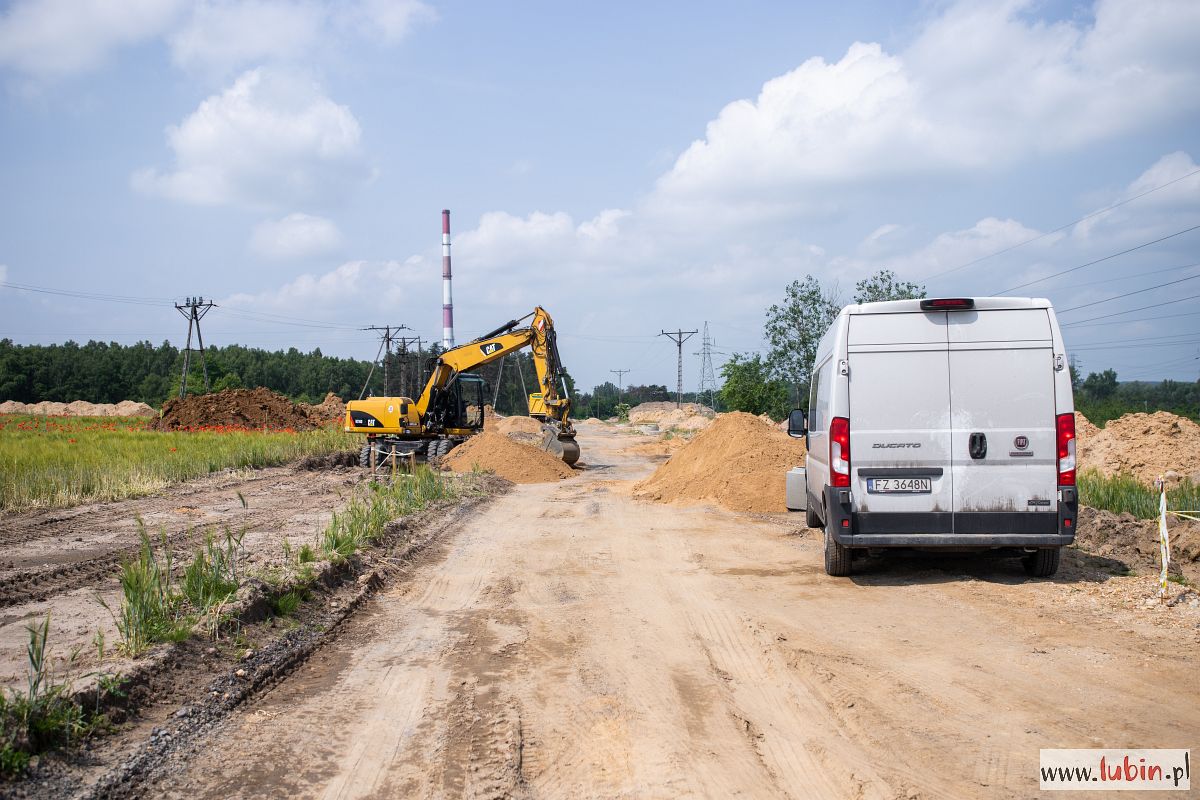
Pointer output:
839, 452
1065, 434
948, 304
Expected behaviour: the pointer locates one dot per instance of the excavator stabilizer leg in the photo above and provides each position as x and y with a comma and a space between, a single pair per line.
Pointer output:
560, 444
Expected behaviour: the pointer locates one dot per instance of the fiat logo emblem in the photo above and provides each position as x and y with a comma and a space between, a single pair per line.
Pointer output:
1021, 442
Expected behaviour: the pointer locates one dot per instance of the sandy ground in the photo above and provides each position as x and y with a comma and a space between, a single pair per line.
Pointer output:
64, 561
570, 641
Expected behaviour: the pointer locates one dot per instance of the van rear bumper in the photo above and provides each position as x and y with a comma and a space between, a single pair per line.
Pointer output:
947, 529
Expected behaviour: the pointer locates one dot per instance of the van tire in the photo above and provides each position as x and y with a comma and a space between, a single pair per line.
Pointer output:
837, 557
810, 516
1043, 563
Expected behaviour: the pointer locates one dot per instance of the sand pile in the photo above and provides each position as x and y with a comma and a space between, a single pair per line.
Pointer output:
511, 425
331, 408
739, 461
1144, 445
240, 408
594, 421
519, 463
79, 408
658, 413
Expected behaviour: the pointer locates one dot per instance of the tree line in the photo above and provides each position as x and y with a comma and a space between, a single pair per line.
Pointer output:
107, 372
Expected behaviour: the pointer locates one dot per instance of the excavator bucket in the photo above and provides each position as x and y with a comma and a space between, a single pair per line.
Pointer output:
561, 444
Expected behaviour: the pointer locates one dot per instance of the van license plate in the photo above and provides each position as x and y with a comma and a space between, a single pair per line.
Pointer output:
900, 485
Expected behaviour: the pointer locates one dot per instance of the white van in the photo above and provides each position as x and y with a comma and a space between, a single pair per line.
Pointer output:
944, 423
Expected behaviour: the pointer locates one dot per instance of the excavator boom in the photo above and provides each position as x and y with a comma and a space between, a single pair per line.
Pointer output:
440, 409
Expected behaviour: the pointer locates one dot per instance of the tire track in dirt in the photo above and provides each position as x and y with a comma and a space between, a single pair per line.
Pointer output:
80, 548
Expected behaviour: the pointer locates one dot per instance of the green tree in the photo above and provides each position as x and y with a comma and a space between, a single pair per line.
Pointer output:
883, 286
793, 329
749, 386
1100, 386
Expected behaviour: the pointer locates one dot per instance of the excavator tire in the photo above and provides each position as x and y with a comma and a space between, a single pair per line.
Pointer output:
364, 456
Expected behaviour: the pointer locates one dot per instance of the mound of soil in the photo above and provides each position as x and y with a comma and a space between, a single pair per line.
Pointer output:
1144, 445
239, 408
511, 425
1135, 541
331, 408
519, 463
739, 461
658, 413
79, 408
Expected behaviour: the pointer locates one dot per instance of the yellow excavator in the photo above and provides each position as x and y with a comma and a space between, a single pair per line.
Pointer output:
451, 406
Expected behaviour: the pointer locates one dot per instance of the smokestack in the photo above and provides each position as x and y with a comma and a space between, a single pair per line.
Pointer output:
447, 300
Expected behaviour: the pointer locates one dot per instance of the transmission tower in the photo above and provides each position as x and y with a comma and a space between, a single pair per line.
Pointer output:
679, 337
708, 379
388, 335
194, 308
620, 373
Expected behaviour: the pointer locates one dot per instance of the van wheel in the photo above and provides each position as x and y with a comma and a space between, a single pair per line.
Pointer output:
837, 557
1043, 563
810, 516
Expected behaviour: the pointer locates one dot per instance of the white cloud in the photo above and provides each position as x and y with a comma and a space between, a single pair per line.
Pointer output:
296, 236
271, 139
981, 87
220, 35
386, 20
49, 39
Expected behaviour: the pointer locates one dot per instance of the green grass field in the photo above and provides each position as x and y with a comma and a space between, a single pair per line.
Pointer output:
51, 462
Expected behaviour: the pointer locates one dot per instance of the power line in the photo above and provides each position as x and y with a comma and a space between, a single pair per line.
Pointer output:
1132, 310
1105, 210
1098, 260
1131, 321
1128, 294
105, 298
1142, 274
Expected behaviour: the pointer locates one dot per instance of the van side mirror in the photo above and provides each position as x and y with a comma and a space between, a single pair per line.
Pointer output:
797, 424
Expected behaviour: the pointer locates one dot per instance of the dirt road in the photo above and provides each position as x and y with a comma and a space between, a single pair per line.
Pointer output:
573, 642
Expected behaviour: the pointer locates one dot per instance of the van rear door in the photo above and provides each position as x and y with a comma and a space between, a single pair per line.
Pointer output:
1002, 411
900, 440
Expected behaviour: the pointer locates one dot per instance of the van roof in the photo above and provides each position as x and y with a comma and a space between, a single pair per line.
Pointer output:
981, 304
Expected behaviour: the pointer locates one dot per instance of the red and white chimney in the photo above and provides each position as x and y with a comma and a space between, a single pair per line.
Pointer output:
447, 299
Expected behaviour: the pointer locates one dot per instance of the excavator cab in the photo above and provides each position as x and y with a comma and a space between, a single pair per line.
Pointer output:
459, 406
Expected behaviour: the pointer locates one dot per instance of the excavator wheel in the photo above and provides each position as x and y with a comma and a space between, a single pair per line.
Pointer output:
562, 445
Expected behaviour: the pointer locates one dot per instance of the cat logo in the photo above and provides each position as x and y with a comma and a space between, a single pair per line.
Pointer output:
490, 347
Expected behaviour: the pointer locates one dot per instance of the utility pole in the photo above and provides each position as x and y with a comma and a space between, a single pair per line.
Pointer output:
620, 373
389, 334
708, 379
405, 342
679, 337
194, 308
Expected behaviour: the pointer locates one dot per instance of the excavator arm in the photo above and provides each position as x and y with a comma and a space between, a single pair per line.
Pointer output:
437, 411
539, 336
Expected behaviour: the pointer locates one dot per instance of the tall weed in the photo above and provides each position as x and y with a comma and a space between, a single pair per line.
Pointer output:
42, 717
1126, 494
150, 609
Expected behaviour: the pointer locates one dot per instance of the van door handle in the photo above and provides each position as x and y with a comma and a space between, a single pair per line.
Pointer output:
977, 445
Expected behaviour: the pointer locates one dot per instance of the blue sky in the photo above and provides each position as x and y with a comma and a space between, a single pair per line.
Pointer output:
631, 167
